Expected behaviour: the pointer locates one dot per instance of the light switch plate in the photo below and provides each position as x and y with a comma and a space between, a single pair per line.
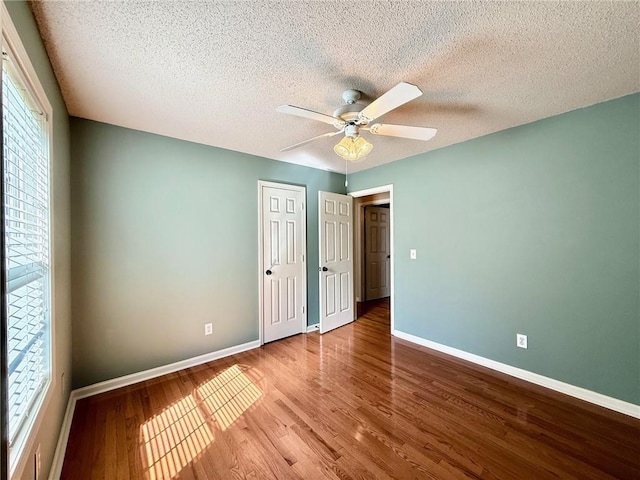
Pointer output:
413, 254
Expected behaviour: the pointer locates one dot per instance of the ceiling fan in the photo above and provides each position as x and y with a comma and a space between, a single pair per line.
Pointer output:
352, 118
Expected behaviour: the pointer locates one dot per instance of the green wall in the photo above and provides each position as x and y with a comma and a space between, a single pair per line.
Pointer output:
165, 239
47, 434
531, 230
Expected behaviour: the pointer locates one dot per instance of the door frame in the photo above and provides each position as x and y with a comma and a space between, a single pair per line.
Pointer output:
287, 186
358, 247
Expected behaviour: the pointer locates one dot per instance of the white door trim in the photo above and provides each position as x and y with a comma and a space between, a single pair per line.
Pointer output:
373, 191
296, 188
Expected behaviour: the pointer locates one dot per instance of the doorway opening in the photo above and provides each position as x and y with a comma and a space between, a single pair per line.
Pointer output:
373, 253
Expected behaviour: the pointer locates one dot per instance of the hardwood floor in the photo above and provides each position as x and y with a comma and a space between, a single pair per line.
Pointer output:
355, 403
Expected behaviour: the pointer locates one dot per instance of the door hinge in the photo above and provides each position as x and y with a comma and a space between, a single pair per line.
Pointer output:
303, 258
302, 206
303, 309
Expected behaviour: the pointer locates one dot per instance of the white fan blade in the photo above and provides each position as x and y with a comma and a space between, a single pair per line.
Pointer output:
403, 131
330, 134
304, 113
398, 95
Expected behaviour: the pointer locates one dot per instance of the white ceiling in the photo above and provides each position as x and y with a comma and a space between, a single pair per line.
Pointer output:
214, 72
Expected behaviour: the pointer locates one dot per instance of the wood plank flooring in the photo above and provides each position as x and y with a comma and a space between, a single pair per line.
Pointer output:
355, 403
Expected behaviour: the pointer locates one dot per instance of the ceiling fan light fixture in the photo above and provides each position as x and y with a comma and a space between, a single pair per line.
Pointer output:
352, 148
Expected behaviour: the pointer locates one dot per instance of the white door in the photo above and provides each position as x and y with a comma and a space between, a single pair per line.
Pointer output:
336, 260
283, 267
377, 252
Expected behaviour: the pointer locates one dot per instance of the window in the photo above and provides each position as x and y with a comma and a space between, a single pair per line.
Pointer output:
27, 240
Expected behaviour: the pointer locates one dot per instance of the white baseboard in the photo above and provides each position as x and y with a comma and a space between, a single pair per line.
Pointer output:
61, 446
313, 328
126, 380
562, 387
108, 385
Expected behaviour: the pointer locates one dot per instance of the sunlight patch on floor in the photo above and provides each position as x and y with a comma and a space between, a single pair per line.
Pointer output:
174, 438
228, 395
181, 432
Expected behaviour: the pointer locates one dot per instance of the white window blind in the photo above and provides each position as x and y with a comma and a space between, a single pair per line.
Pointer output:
26, 209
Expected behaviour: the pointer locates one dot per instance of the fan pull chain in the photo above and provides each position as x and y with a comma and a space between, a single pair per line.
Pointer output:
346, 173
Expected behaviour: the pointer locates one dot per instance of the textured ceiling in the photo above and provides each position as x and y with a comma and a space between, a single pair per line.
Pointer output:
214, 72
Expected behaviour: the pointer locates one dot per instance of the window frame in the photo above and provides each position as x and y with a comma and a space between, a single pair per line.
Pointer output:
17, 454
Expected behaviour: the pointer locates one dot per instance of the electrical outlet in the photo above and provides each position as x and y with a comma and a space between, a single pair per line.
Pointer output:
208, 328
521, 340
413, 254
36, 464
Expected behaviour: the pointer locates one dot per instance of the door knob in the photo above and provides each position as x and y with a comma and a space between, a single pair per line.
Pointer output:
268, 272
325, 269
388, 256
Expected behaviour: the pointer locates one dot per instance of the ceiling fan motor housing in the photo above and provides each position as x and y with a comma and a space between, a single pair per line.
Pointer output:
349, 112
